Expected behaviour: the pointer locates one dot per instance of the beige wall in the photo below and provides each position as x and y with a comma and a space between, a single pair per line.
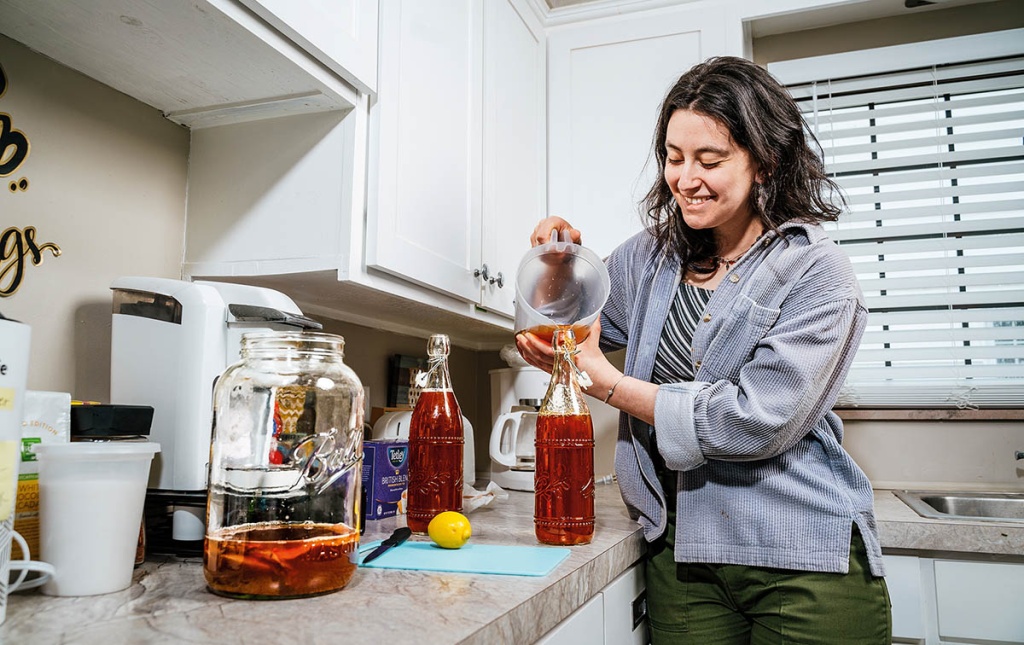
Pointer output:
106, 183
951, 455
897, 30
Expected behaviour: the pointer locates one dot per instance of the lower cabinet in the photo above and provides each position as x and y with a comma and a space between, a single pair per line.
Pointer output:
935, 601
903, 578
940, 600
980, 601
617, 615
585, 626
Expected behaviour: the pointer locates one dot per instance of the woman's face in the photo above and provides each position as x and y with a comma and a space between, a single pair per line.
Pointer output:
709, 174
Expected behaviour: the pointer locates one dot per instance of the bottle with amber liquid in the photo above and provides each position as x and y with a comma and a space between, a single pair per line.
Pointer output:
564, 477
435, 442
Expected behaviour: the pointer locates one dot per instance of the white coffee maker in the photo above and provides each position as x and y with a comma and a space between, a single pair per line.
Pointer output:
516, 395
170, 341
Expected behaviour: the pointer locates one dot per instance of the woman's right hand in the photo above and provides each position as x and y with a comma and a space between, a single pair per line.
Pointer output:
542, 233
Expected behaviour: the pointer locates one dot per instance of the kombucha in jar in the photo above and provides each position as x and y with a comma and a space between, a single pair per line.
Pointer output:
435, 442
564, 479
282, 513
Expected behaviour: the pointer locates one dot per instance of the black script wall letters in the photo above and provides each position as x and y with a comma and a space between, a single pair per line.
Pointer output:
15, 246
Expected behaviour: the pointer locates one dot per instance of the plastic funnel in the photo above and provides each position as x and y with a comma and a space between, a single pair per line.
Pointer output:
560, 284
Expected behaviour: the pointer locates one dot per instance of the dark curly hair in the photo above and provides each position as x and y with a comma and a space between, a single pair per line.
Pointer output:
763, 119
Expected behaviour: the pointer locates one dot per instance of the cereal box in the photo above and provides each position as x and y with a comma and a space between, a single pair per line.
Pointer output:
46, 419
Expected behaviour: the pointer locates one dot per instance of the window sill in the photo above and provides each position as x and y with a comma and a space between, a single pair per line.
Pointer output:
934, 414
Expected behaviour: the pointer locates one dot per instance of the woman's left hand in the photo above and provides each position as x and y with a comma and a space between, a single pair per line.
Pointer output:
539, 353
536, 351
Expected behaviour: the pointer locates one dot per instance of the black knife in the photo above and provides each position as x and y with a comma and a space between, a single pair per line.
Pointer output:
400, 535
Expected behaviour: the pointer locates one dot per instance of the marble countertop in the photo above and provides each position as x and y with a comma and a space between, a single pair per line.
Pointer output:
900, 528
168, 601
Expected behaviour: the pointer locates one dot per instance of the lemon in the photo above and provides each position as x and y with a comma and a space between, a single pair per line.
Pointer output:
449, 530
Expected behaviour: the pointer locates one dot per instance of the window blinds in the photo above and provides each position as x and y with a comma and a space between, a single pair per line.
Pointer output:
931, 161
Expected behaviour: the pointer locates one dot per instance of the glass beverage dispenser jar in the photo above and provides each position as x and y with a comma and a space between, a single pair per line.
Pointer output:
285, 469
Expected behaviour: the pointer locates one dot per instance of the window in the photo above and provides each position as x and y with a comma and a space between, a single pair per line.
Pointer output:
931, 158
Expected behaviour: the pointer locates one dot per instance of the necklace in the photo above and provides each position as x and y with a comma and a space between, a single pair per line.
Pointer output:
721, 261
716, 261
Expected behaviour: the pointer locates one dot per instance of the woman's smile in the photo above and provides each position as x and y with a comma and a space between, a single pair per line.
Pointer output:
709, 175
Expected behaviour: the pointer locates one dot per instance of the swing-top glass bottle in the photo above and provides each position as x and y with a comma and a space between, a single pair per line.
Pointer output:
564, 478
435, 442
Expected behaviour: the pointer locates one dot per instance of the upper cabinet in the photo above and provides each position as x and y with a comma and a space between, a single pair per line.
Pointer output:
203, 62
457, 146
384, 162
386, 214
514, 137
341, 34
606, 81
424, 191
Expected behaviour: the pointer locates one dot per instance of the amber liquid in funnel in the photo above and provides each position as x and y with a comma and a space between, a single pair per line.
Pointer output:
548, 331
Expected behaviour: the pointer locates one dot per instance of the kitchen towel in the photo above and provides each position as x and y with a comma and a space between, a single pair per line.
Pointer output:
472, 558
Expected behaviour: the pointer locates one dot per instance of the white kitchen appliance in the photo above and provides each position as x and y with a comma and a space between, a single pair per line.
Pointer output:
516, 394
15, 339
512, 446
170, 341
14, 358
395, 425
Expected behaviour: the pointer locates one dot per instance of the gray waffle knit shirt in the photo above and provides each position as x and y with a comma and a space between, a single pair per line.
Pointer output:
763, 478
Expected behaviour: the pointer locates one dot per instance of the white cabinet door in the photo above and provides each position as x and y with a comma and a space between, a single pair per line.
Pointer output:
980, 601
341, 34
272, 196
423, 222
585, 626
625, 608
606, 81
903, 579
513, 144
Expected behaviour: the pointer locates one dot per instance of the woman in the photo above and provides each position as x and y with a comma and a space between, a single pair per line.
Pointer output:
740, 319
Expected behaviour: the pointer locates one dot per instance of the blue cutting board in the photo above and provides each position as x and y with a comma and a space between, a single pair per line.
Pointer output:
472, 558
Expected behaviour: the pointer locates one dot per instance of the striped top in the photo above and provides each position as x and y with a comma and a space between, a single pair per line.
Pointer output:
675, 351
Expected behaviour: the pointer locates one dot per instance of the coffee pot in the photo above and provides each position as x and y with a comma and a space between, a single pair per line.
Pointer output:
512, 452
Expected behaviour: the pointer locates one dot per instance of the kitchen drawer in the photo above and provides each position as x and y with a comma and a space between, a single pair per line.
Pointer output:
903, 578
585, 626
625, 608
980, 601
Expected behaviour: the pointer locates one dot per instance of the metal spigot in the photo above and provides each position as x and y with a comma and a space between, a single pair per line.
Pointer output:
1019, 455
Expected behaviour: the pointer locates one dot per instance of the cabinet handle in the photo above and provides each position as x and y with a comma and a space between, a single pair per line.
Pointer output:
484, 273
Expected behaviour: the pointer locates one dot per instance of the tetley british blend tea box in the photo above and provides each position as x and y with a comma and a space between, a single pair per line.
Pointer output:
385, 478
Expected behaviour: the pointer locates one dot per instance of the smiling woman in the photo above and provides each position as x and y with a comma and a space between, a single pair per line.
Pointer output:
739, 318
712, 178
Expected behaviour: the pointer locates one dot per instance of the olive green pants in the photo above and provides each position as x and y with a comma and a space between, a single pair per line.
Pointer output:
712, 604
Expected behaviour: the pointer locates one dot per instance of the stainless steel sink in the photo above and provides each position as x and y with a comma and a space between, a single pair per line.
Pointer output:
986, 507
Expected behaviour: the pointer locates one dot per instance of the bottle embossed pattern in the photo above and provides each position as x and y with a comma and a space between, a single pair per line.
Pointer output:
564, 479
435, 443
285, 469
